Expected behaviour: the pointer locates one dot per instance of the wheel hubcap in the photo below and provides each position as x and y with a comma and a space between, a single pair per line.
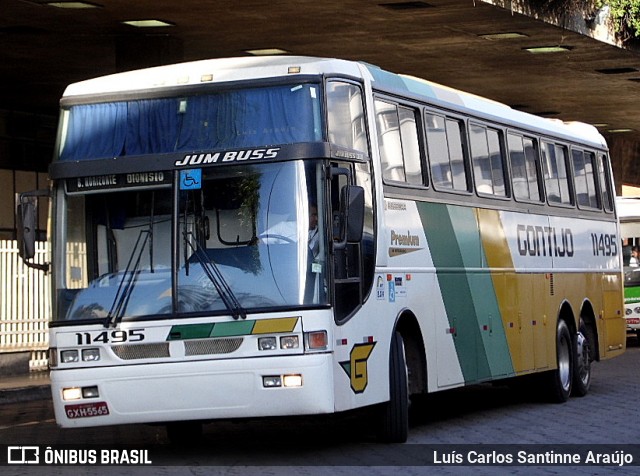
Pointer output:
582, 351
564, 363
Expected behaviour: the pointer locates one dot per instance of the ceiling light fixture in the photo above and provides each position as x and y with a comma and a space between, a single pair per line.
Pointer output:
72, 5
537, 50
147, 23
619, 131
267, 52
512, 35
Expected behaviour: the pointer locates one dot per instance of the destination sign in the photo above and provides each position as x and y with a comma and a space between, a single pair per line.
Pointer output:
113, 181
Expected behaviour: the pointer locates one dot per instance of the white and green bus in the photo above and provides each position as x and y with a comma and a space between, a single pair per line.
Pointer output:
628, 209
279, 236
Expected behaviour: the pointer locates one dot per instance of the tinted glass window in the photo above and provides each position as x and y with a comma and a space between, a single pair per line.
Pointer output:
487, 159
446, 153
523, 156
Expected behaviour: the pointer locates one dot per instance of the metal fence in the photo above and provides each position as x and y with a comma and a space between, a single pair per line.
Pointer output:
25, 297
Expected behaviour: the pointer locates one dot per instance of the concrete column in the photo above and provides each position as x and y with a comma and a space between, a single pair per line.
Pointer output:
625, 160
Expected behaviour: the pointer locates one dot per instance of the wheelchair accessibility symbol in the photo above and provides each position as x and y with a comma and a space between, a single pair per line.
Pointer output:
191, 179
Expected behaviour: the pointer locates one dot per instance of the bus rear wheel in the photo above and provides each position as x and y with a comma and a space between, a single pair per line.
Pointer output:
395, 413
583, 359
560, 380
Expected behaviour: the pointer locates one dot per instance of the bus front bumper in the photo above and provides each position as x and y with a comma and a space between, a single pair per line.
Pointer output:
203, 390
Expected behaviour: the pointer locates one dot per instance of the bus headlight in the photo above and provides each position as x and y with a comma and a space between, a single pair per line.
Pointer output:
289, 342
267, 343
69, 356
90, 355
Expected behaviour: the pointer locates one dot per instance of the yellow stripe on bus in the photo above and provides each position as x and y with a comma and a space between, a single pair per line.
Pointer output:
270, 326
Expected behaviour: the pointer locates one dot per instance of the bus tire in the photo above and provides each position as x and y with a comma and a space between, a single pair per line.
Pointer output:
583, 357
560, 380
395, 413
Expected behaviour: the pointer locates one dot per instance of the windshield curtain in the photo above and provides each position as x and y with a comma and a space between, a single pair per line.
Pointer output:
242, 242
223, 120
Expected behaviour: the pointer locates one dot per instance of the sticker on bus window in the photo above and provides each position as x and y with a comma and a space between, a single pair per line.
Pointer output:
191, 179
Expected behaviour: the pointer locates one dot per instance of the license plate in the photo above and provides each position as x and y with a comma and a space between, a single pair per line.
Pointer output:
633, 320
86, 410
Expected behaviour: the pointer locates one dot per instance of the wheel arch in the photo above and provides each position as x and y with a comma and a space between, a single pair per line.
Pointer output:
416, 359
568, 316
588, 316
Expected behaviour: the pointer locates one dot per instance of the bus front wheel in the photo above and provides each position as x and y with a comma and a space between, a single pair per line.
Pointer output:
395, 413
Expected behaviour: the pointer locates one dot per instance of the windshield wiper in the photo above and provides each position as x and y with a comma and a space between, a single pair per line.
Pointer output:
212, 271
129, 278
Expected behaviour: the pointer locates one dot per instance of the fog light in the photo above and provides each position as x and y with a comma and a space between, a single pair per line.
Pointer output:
74, 393
267, 343
90, 392
292, 380
637, 310
271, 381
90, 355
628, 311
69, 356
289, 342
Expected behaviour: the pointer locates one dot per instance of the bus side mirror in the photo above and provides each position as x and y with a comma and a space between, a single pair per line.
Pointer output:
348, 224
355, 213
27, 224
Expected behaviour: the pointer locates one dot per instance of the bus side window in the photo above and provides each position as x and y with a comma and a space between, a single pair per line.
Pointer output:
556, 179
398, 143
446, 153
584, 179
488, 161
523, 156
605, 185
345, 116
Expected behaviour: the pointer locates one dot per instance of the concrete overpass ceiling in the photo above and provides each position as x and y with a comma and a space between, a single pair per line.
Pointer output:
46, 47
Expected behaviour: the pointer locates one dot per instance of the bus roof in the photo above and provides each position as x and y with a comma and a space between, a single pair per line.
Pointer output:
247, 68
628, 209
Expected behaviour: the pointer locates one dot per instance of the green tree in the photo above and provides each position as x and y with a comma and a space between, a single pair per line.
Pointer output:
625, 15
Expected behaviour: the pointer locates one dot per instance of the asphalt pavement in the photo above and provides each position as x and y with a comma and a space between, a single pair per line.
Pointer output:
25, 388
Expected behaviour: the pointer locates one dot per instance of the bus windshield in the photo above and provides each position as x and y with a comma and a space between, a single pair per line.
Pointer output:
239, 241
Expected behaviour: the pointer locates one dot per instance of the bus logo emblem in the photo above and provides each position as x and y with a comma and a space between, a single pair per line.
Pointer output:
356, 366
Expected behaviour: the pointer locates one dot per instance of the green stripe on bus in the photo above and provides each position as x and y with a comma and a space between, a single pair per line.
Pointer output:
231, 329
190, 331
467, 290
236, 328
